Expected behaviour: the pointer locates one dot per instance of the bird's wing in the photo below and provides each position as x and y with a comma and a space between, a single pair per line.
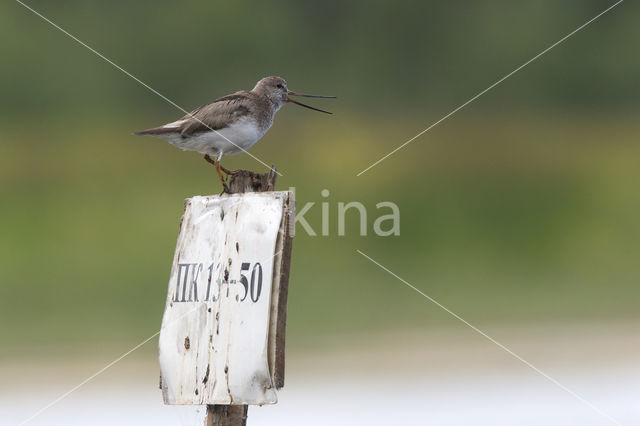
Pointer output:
216, 115
213, 116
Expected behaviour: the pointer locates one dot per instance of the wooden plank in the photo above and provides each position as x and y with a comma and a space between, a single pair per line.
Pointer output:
215, 333
280, 294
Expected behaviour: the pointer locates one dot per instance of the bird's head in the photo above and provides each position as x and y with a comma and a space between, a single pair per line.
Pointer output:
275, 89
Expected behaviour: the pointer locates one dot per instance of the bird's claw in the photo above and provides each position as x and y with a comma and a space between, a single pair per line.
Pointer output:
225, 189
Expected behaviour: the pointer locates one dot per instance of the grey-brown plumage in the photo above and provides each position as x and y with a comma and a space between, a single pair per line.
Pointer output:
221, 113
231, 124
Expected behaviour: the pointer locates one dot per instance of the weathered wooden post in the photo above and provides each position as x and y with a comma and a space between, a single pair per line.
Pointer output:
223, 330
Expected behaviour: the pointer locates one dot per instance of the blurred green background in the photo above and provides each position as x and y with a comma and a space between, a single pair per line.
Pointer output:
522, 207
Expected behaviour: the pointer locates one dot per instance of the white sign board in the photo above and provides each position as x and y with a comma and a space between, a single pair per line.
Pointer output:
217, 327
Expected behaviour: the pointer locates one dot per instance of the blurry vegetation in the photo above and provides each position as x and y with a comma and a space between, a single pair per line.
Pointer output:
522, 207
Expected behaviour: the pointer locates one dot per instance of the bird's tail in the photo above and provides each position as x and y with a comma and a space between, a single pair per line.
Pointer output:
155, 131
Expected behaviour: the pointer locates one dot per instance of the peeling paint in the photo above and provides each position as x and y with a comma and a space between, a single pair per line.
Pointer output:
206, 376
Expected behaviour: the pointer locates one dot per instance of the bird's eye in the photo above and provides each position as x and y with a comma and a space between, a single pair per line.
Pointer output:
279, 86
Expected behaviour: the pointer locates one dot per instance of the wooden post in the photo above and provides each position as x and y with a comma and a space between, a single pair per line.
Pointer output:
246, 181
236, 415
226, 415
223, 330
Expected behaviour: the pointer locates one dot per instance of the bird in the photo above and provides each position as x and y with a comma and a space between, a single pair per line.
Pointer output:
231, 124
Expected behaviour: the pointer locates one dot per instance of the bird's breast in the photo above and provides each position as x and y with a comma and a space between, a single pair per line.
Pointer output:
232, 139
243, 133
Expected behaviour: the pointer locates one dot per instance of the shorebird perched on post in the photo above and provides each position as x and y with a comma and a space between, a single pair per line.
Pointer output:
231, 124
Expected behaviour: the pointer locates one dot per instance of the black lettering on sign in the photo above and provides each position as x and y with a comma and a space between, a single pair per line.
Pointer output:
209, 280
189, 275
193, 289
243, 280
256, 285
181, 267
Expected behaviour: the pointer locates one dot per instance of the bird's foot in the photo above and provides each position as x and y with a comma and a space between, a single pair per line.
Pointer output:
228, 172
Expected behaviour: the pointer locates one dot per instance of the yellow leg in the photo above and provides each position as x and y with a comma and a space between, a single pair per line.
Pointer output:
216, 164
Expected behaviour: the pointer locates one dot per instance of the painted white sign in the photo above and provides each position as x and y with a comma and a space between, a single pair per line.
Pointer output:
215, 336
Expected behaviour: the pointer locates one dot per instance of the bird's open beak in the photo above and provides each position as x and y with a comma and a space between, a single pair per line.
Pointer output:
307, 96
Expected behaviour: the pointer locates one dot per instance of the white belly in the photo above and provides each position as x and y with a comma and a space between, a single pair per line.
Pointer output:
231, 140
